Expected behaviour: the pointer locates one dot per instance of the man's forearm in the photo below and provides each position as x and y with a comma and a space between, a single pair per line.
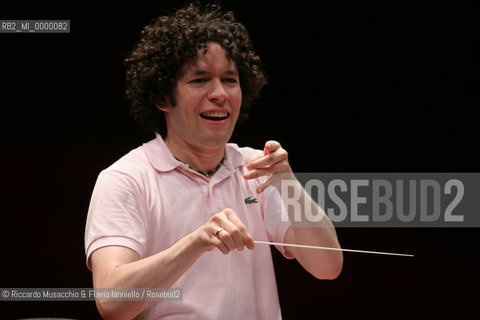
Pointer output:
161, 270
320, 263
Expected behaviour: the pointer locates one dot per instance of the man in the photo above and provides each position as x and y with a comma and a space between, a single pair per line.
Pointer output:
180, 210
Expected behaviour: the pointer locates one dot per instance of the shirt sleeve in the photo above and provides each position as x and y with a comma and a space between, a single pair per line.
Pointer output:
276, 218
117, 215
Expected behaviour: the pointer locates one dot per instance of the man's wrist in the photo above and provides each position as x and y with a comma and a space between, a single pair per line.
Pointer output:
198, 242
285, 176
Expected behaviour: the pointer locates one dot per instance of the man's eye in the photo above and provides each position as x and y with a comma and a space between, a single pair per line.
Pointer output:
230, 80
199, 80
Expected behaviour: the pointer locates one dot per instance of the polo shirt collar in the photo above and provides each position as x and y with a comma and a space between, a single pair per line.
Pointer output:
163, 160
160, 156
234, 158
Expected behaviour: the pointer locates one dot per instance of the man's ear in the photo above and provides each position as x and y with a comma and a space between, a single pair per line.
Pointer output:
162, 105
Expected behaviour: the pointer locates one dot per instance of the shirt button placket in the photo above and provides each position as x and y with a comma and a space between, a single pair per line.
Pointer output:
206, 195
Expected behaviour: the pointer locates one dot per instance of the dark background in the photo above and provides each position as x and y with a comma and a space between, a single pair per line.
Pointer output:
352, 87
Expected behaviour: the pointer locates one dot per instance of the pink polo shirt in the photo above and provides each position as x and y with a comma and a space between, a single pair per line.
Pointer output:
148, 200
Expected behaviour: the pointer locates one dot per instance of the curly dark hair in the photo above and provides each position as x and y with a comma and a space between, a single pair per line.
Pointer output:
170, 41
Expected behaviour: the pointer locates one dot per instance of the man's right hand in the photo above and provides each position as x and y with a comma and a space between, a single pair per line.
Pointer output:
121, 267
224, 231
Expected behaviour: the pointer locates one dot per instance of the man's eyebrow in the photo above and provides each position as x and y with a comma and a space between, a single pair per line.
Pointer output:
200, 72
204, 72
231, 72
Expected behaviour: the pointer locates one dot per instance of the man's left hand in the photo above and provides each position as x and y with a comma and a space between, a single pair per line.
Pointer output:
273, 162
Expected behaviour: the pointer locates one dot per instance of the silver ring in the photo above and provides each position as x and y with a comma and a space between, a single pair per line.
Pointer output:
218, 231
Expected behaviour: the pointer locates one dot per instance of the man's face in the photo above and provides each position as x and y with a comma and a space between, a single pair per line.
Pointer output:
208, 99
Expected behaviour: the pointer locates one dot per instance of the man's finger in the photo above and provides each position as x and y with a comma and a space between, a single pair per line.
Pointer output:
268, 160
220, 245
229, 234
234, 234
227, 239
271, 146
255, 157
255, 173
279, 167
267, 182
246, 238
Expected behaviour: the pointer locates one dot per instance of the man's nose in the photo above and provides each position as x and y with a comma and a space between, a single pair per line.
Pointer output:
217, 92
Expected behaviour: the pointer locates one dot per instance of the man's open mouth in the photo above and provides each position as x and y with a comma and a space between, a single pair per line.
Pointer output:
215, 116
